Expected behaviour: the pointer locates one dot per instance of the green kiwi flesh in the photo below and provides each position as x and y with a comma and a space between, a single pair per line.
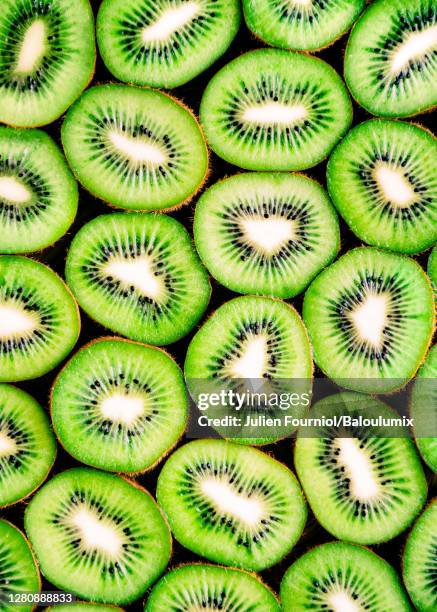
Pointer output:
232, 504
275, 110
47, 55
118, 405
162, 44
137, 149
268, 233
83, 606
432, 268
97, 535
423, 409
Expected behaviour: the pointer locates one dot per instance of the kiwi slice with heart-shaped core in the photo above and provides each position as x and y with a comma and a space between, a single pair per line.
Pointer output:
138, 275
135, 148
210, 587
97, 535
47, 55
362, 485
266, 233
274, 110
344, 578
27, 445
231, 504
39, 319
161, 43
38, 193
389, 64
119, 405
370, 318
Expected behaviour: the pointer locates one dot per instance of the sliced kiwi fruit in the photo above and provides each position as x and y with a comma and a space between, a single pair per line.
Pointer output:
84, 606
381, 178
420, 560
135, 148
306, 25
423, 409
274, 110
232, 504
161, 43
39, 319
267, 233
119, 405
362, 487
138, 275
370, 318
97, 535
47, 55
210, 587
432, 268
390, 65
342, 577
18, 571
38, 193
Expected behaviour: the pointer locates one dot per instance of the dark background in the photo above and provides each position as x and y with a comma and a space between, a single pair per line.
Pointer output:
90, 207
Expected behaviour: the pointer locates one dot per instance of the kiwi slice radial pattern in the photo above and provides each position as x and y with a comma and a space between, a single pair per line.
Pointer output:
390, 61
266, 233
97, 535
39, 319
342, 577
47, 55
382, 180
424, 409
274, 110
38, 194
119, 405
135, 148
210, 587
306, 25
162, 43
232, 504
370, 317
138, 275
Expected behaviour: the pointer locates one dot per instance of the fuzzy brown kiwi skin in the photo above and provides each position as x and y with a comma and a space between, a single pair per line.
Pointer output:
116, 472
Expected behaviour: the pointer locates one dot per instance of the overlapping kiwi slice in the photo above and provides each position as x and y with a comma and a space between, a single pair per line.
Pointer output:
370, 317
97, 535
420, 560
424, 409
231, 504
342, 577
119, 405
39, 319
135, 148
390, 61
274, 110
38, 194
267, 233
306, 25
47, 55
432, 268
161, 43
210, 587
138, 275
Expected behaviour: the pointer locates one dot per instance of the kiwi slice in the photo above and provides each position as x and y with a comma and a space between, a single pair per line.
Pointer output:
119, 405
97, 535
84, 606
47, 55
424, 409
390, 65
232, 504
210, 587
342, 577
370, 317
420, 560
381, 178
274, 110
38, 194
267, 233
307, 25
39, 319
161, 43
362, 487
138, 275
135, 148
432, 268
